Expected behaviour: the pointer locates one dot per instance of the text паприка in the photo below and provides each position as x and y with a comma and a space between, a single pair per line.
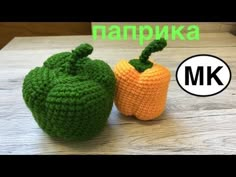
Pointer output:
146, 32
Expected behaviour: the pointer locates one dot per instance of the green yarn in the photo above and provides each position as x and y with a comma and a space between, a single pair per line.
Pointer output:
143, 63
70, 96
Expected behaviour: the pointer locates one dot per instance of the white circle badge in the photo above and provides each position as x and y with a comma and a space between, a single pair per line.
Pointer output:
203, 75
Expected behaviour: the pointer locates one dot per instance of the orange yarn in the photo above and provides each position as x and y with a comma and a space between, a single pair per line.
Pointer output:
142, 95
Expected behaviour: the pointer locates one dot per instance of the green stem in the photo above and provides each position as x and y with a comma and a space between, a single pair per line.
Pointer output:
154, 46
143, 63
81, 51
78, 53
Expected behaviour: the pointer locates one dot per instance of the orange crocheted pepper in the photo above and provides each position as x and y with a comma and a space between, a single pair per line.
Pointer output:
142, 85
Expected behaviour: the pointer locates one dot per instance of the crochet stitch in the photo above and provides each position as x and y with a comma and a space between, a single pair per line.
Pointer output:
142, 85
70, 96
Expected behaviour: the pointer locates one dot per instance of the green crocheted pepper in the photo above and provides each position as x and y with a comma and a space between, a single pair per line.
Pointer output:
71, 96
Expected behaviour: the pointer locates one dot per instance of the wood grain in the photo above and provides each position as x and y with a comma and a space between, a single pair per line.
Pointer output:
190, 125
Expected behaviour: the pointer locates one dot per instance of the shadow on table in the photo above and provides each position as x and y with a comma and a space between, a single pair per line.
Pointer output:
163, 126
133, 119
120, 129
88, 146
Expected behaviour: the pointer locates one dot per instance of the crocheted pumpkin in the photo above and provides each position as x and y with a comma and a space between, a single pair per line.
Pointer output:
70, 96
142, 85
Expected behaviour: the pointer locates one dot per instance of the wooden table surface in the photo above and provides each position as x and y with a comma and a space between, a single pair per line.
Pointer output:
190, 125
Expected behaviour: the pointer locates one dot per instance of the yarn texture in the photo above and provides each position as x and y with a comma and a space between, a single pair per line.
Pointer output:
70, 96
141, 85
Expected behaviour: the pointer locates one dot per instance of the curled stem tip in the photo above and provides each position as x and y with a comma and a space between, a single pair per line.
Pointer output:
78, 53
143, 63
83, 50
154, 46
